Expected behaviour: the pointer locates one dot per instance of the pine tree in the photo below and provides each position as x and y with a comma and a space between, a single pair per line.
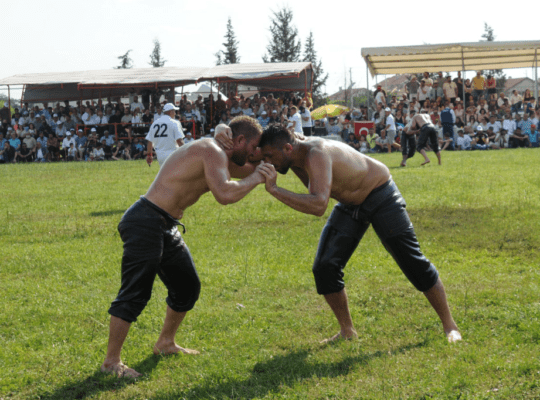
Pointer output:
125, 61
156, 60
230, 54
284, 45
319, 78
498, 74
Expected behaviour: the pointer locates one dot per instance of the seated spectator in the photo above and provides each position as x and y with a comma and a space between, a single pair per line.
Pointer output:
40, 153
518, 139
463, 141
500, 141
121, 152
108, 141
188, 138
332, 127
80, 144
516, 101
7, 154
14, 141
53, 148
533, 137
69, 124
24, 154
319, 128
364, 147
136, 104
60, 130
66, 145
480, 140
30, 141
263, 119
137, 149
353, 141
97, 153
71, 152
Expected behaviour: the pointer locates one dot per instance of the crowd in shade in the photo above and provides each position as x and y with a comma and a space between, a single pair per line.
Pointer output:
468, 115
115, 130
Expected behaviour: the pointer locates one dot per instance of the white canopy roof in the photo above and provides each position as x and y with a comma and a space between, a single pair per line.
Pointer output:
451, 57
117, 82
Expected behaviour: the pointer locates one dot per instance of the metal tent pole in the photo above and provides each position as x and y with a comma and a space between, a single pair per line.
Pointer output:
535, 75
367, 87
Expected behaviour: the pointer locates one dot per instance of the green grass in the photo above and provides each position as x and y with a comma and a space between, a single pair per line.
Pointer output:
476, 218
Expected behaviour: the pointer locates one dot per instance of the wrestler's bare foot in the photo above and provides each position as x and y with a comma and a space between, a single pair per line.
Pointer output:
166, 349
453, 336
439, 158
402, 164
426, 162
341, 336
120, 370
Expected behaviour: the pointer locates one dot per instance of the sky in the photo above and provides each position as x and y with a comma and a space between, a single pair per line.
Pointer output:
63, 36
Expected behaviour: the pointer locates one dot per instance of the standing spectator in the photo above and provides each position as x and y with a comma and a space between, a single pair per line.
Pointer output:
380, 96
412, 87
296, 120
459, 85
5, 112
389, 128
306, 119
165, 135
478, 86
439, 82
448, 119
423, 92
450, 90
136, 104
491, 85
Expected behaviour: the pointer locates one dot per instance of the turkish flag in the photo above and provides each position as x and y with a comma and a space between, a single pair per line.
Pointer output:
363, 128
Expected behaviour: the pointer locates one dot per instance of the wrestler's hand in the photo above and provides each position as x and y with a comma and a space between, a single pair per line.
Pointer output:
270, 175
149, 159
223, 136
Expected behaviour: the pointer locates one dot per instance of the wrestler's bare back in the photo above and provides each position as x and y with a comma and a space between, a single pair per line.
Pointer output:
354, 175
181, 180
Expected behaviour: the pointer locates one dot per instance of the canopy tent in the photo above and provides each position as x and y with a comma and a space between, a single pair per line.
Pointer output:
85, 85
192, 92
451, 57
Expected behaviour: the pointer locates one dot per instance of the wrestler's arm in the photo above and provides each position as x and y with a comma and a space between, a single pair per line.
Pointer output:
218, 178
319, 172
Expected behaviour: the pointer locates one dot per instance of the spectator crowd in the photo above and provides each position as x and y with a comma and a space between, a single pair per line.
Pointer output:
117, 130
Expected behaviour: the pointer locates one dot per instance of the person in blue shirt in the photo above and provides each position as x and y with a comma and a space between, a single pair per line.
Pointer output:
2, 140
15, 142
263, 119
533, 137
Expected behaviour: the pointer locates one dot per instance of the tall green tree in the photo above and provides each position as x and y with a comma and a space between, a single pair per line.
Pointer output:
230, 54
125, 61
156, 60
498, 74
284, 44
319, 77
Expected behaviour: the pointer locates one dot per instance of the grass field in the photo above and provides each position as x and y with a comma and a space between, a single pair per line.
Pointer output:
259, 320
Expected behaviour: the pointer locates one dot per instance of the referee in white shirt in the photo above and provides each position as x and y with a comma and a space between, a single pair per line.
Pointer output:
165, 135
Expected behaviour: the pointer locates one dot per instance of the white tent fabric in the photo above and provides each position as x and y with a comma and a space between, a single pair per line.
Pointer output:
451, 57
204, 90
117, 82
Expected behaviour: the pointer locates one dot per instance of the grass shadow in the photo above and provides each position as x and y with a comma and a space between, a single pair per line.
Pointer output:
270, 376
106, 213
100, 382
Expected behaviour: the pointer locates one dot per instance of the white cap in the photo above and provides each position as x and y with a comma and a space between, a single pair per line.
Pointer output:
55, 115
169, 107
387, 109
59, 122
212, 130
93, 130
479, 128
68, 133
263, 113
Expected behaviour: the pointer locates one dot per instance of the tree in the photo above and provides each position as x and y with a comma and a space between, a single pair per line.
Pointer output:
125, 61
319, 78
230, 54
498, 74
156, 60
284, 45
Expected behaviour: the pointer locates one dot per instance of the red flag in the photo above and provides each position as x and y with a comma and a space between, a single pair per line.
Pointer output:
362, 128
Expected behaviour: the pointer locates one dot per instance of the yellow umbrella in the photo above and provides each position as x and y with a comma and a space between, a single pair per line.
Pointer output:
328, 110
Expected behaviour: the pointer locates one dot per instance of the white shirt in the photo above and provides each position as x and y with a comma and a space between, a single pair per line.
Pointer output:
464, 141
509, 125
496, 126
390, 121
135, 105
163, 134
298, 126
306, 114
66, 142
